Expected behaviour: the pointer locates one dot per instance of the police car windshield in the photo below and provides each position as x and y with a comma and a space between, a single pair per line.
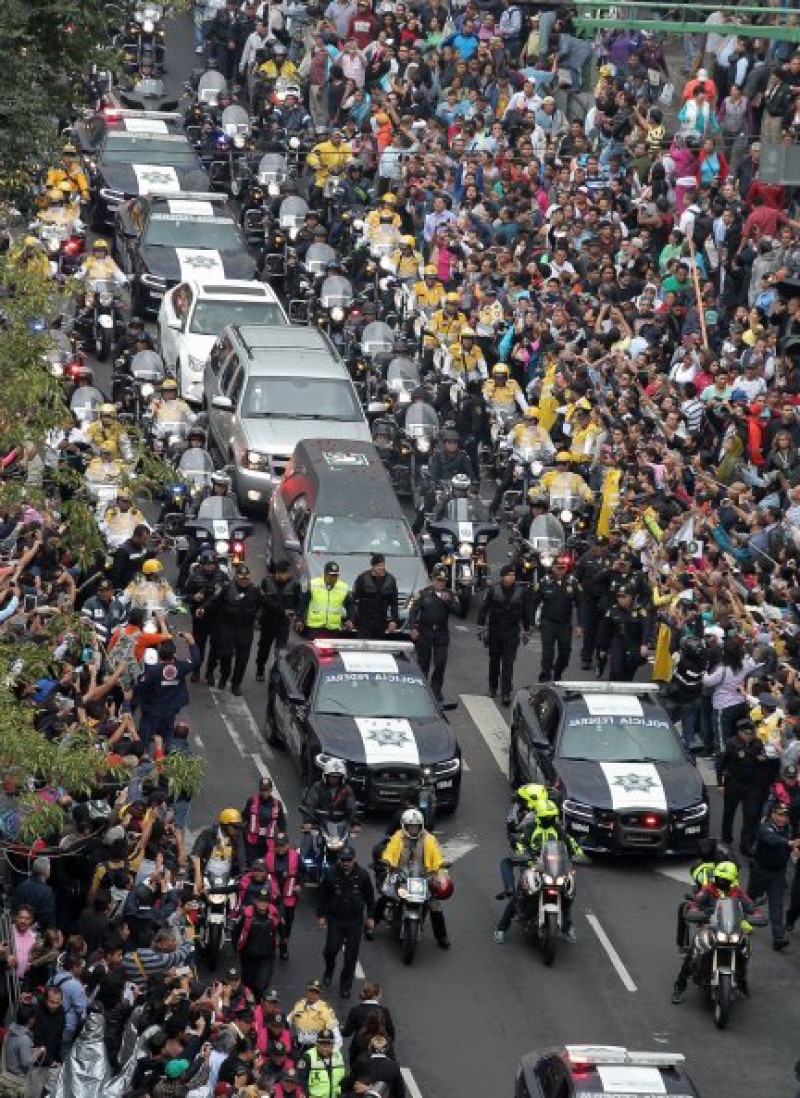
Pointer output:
210, 317
344, 535
178, 154
208, 234
361, 694
620, 739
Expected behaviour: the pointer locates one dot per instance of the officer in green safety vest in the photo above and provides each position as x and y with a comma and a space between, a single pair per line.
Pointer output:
324, 1068
325, 606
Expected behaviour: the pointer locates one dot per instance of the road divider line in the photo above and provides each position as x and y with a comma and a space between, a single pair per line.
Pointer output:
227, 719
360, 973
489, 721
676, 873
411, 1083
613, 956
458, 846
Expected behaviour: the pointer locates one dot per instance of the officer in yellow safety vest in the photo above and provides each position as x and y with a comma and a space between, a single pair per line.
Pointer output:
407, 261
502, 391
446, 323
324, 1069
429, 291
386, 212
325, 607
465, 361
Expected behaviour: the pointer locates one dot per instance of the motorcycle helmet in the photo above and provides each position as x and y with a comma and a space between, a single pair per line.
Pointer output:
279, 49
408, 240
169, 385
500, 372
55, 196
31, 242
124, 495
452, 298
100, 245
390, 199
450, 435
70, 150
439, 571
430, 271
441, 886
412, 823
230, 817
207, 556
467, 333
108, 411
563, 457
152, 568
726, 875
533, 795
197, 434
460, 484
221, 480
548, 812
334, 768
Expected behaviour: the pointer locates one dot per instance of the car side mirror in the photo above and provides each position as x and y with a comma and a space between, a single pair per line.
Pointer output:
222, 403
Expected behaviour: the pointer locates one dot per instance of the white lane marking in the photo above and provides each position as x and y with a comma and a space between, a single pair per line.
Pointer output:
411, 1083
228, 720
465, 765
613, 956
263, 770
461, 628
488, 719
676, 873
458, 847
360, 973
238, 711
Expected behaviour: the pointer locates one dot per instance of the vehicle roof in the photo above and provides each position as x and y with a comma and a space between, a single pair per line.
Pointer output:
182, 200
234, 287
618, 1076
577, 703
332, 464
260, 340
368, 661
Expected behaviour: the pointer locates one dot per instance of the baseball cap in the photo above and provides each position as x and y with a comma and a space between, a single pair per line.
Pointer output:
325, 1035
105, 585
313, 985
259, 863
276, 1020
332, 568
272, 996
262, 894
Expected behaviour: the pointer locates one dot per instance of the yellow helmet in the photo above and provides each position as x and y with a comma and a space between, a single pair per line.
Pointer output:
124, 494
532, 794
430, 269
70, 150
230, 817
31, 242
100, 245
108, 409
55, 194
66, 187
390, 200
408, 240
169, 383
531, 412
563, 455
152, 568
500, 370
452, 299
467, 333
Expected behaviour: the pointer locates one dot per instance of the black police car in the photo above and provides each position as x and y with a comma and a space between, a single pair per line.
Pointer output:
623, 775
602, 1071
130, 152
368, 703
162, 240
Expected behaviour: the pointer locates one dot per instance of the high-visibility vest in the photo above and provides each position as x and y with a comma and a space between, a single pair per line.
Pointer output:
325, 1077
326, 608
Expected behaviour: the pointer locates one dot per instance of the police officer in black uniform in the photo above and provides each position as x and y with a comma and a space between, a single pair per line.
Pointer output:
236, 609
620, 639
281, 596
505, 610
429, 626
204, 585
743, 768
374, 601
592, 574
345, 906
557, 594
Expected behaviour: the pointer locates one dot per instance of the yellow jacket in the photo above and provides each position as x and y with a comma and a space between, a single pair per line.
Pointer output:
101, 435
444, 327
272, 71
428, 297
74, 175
62, 216
94, 269
465, 363
373, 219
117, 522
406, 266
326, 158
556, 482
312, 1017
524, 434
509, 393
399, 845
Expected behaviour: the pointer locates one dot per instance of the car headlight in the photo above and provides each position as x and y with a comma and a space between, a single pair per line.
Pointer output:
194, 364
238, 141
566, 515
577, 808
546, 559
547, 879
465, 549
294, 142
56, 370
147, 390
536, 468
696, 812
255, 459
337, 314
450, 766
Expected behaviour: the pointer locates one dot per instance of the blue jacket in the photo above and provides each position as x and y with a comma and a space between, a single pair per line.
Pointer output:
162, 688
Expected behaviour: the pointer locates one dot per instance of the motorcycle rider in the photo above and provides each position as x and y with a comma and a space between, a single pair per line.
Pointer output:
525, 434
557, 593
205, 582
501, 391
538, 506
525, 804
264, 817
711, 852
448, 461
68, 171
104, 468
413, 842
429, 292
561, 481
105, 432
332, 796
292, 115
545, 827
465, 361
385, 214
150, 588
120, 519
169, 407
725, 883
429, 626
104, 611
99, 265
406, 261
443, 327
620, 639
219, 849
61, 210
327, 157
506, 609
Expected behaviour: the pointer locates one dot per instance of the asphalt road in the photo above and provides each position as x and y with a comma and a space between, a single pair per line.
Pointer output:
465, 1017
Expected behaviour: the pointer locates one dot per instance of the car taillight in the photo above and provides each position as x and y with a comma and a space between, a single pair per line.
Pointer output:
650, 821
111, 115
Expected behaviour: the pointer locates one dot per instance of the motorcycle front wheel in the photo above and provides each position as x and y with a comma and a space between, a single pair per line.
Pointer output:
104, 344
213, 946
723, 999
549, 937
409, 940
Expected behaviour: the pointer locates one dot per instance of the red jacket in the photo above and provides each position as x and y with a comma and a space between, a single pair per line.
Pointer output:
291, 887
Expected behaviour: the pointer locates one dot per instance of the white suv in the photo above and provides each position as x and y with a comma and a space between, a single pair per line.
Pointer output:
194, 313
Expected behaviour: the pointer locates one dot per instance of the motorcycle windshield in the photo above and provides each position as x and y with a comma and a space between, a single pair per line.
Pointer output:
377, 339
334, 291
564, 500
554, 859
147, 366
292, 213
150, 88
547, 535
319, 257
219, 508
272, 168
402, 374
421, 421
210, 86
102, 285
465, 512
85, 403
384, 240
195, 462
235, 120
728, 916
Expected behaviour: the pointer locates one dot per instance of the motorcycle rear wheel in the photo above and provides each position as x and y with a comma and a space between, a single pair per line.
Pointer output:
409, 940
549, 934
213, 946
723, 999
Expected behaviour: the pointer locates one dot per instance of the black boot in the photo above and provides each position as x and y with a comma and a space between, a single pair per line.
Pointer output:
440, 930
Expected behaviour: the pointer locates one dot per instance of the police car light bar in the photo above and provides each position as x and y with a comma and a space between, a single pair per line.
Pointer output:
586, 1055
154, 116
610, 687
333, 644
189, 196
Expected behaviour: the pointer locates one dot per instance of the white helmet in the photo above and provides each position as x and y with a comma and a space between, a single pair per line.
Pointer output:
334, 766
412, 823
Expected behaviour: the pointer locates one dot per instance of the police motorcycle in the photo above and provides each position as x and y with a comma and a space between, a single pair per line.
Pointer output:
147, 94
84, 404
217, 525
328, 836
229, 169
534, 555
376, 345
720, 948
291, 218
64, 242
195, 469
66, 362
136, 381
421, 428
335, 297
104, 478
463, 533
102, 321
217, 907
542, 888
409, 892
402, 378
527, 462
143, 42
261, 195
572, 510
